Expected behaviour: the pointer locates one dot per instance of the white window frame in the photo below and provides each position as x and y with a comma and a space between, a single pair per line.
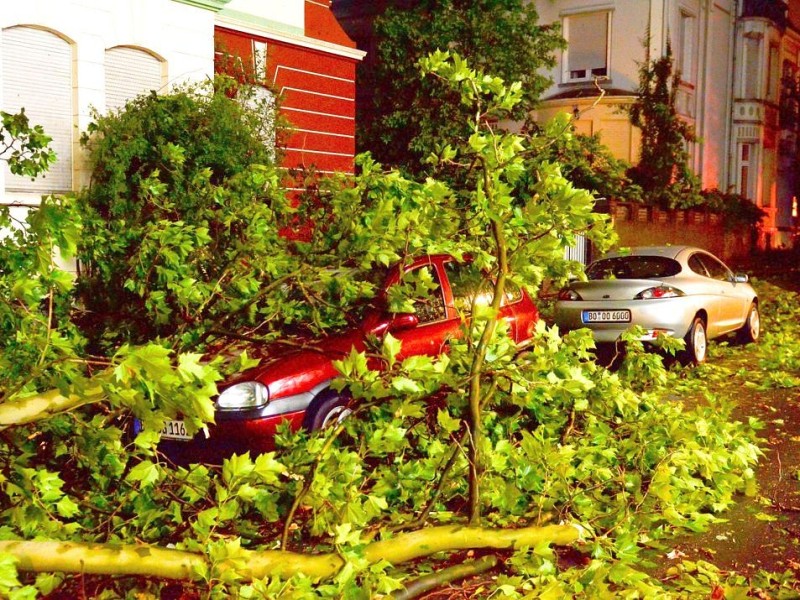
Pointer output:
566, 72
747, 185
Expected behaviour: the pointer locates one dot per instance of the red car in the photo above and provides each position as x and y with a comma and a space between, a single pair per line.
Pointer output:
293, 384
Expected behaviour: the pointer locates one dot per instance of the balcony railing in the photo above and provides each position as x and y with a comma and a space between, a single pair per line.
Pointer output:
774, 10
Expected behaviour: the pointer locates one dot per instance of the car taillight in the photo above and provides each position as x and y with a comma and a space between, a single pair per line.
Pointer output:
568, 294
656, 293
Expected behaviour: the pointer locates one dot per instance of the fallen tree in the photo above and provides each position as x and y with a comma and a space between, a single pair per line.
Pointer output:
507, 439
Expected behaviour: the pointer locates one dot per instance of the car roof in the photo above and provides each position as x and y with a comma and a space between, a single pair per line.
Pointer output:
666, 251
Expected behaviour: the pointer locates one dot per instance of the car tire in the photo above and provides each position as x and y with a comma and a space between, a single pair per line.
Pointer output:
327, 407
751, 329
696, 343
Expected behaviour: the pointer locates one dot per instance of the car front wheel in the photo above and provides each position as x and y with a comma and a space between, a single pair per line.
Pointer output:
752, 326
326, 409
696, 343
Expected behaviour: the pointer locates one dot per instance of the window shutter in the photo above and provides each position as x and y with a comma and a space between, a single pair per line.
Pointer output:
37, 76
129, 73
588, 39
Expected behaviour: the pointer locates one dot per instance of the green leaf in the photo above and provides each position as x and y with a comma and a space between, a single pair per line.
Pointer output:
8, 572
447, 422
67, 508
146, 473
390, 348
404, 385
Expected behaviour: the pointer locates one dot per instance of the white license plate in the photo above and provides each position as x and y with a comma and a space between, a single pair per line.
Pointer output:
606, 316
175, 430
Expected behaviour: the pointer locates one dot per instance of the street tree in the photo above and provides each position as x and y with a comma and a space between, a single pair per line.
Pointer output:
406, 114
663, 171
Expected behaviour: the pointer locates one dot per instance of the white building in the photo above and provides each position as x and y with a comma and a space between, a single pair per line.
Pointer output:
731, 55
61, 58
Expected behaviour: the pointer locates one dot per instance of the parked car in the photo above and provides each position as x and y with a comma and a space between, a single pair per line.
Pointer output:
294, 383
679, 291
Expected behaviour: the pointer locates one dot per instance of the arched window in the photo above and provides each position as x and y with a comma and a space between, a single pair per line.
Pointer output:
37, 76
130, 73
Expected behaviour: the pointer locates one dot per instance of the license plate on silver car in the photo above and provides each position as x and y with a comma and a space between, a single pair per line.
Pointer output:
606, 316
175, 430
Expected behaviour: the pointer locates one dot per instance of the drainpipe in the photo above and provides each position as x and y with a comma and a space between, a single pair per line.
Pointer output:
732, 105
702, 87
657, 17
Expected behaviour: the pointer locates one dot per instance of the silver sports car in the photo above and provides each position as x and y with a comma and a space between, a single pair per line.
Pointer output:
669, 290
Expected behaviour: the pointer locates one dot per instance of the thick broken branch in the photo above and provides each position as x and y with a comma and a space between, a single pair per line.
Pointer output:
40, 406
426, 583
153, 561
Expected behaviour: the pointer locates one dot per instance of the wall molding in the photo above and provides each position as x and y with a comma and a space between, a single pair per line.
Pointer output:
212, 5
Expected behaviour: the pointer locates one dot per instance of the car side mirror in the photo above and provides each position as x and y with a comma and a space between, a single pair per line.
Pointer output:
740, 278
403, 322
395, 323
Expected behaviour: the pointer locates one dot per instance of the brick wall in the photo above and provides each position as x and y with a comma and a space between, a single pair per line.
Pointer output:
640, 225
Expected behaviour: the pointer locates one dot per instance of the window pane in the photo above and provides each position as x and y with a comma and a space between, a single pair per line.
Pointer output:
715, 268
37, 76
686, 48
743, 182
696, 265
633, 267
752, 71
470, 288
129, 73
588, 38
773, 73
427, 294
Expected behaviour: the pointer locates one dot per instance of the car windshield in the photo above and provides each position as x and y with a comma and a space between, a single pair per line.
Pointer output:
633, 267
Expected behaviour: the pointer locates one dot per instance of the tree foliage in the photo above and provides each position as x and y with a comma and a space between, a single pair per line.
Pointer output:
23, 146
789, 116
590, 165
663, 171
476, 448
406, 113
183, 191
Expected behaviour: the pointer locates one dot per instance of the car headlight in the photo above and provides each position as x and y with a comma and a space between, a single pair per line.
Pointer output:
242, 396
656, 293
568, 294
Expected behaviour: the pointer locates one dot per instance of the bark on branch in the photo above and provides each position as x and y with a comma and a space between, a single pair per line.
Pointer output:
426, 583
154, 561
40, 406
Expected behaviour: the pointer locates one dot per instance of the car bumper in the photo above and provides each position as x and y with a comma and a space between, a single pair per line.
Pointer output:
229, 437
671, 316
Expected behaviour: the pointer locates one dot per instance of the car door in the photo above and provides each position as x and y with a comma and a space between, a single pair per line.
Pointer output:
436, 324
472, 290
731, 306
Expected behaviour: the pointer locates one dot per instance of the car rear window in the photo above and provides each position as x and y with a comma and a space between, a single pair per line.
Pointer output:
633, 267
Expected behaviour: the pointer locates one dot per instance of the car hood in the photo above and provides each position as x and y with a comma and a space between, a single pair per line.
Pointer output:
298, 365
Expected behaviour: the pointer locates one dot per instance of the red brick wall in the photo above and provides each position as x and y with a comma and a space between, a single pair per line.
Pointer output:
318, 97
321, 24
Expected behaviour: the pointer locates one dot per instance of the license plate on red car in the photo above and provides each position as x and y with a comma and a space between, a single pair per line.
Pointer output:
175, 430
606, 316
